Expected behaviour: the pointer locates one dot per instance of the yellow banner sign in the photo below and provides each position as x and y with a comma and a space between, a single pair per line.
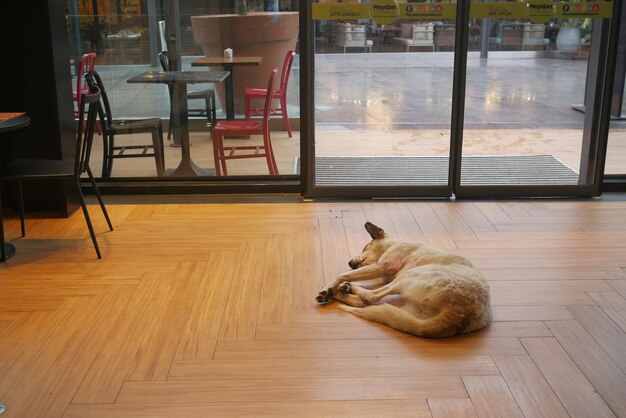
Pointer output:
602, 10
408, 11
428, 11
436, 11
326, 11
540, 11
498, 11
384, 12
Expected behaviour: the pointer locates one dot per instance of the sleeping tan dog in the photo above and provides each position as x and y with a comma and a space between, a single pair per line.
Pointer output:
441, 293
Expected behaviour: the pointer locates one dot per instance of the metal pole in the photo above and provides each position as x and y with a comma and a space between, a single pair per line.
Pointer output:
173, 34
593, 100
75, 24
485, 27
95, 33
620, 70
153, 33
458, 96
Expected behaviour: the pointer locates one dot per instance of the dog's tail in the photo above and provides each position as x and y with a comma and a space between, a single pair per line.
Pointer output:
438, 326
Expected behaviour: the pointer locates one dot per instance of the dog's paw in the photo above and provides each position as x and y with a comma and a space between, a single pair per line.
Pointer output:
325, 295
345, 288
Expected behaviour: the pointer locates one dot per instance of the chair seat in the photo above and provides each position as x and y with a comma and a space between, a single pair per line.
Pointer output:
200, 94
260, 92
24, 168
138, 126
239, 127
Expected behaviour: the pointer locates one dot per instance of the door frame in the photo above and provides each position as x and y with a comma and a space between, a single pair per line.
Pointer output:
596, 125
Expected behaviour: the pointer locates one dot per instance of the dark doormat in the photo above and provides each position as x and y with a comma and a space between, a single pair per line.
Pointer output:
433, 171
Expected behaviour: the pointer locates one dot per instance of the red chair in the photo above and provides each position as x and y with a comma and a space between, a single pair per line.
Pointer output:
245, 128
87, 62
280, 94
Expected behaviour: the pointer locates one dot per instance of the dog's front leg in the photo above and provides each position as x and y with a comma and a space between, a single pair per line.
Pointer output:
373, 271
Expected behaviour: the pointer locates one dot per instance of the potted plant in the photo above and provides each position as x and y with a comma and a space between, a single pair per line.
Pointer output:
568, 39
571, 33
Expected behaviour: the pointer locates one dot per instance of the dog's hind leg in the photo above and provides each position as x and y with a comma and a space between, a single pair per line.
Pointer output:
351, 300
368, 295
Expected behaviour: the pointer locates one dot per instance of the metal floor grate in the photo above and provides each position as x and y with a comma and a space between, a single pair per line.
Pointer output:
431, 171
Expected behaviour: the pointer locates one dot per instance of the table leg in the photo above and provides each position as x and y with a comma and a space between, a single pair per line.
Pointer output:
181, 135
230, 98
9, 251
6, 250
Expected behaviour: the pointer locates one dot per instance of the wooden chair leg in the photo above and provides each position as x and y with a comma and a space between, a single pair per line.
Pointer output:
157, 144
108, 153
248, 100
269, 154
3, 255
95, 188
88, 219
170, 123
216, 153
223, 158
270, 164
20, 197
105, 154
213, 109
283, 106
160, 134
207, 103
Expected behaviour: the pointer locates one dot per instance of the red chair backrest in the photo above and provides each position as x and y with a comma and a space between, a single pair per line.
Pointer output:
268, 100
87, 62
284, 77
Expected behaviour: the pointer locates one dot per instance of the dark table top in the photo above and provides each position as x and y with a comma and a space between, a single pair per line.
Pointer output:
12, 121
188, 77
206, 61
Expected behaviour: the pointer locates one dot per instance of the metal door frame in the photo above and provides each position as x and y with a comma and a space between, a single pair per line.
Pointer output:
600, 70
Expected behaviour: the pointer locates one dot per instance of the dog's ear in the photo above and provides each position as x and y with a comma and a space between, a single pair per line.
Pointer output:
374, 231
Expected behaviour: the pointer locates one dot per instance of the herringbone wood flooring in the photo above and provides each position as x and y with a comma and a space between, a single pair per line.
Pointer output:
208, 310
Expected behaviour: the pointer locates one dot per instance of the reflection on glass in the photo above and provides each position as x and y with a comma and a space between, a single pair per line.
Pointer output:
616, 151
525, 89
383, 94
127, 37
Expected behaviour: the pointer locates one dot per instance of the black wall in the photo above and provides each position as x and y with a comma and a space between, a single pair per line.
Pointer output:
35, 78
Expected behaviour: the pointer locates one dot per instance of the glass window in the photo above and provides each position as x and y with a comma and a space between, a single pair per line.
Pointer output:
127, 37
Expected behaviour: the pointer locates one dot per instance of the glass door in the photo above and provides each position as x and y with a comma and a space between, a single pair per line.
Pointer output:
382, 91
533, 98
478, 98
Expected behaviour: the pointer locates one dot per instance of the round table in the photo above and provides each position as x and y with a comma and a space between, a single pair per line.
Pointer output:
10, 122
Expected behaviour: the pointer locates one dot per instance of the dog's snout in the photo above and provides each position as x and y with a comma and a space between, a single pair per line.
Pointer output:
354, 263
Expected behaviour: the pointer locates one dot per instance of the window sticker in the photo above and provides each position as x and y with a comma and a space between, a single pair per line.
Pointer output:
384, 12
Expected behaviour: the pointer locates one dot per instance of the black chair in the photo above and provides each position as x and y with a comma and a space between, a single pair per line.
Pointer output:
111, 128
20, 170
207, 95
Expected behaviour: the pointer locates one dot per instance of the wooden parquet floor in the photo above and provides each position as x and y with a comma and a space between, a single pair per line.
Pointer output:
207, 310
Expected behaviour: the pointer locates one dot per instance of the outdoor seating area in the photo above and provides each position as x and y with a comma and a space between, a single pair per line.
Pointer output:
355, 36
348, 35
534, 35
556, 135
134, 144
420, 35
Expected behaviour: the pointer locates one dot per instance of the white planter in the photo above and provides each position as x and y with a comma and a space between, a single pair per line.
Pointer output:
568, 40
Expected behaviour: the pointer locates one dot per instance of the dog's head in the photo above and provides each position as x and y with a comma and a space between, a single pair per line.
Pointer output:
374, 249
